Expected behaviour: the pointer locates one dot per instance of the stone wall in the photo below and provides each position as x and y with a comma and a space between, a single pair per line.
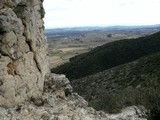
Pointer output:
23, 61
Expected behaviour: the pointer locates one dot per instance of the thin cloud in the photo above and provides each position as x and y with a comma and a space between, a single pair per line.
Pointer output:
64, 13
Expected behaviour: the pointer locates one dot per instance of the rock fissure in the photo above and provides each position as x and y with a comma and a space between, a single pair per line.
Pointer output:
37, 64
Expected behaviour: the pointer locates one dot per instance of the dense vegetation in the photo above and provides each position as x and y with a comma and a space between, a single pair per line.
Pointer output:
109, 55
135, 83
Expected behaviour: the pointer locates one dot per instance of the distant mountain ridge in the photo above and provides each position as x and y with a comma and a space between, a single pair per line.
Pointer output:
77, 31
109, 55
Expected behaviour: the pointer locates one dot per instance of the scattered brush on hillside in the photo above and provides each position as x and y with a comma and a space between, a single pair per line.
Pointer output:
135, 83
109, 55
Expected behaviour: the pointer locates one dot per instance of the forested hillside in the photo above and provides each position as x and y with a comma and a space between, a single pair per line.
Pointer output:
134, 83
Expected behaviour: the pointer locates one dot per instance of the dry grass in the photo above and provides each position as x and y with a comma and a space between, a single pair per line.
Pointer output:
62, 55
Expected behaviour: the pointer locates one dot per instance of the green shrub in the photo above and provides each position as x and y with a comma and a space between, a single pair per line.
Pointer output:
135, 83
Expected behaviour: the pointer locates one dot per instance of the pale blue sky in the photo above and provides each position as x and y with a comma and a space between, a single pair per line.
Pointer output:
74, 13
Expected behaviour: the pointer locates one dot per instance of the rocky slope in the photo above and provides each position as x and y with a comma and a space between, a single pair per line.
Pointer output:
27, 89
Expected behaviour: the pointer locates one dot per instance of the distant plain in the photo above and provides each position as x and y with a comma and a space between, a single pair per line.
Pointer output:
65, 43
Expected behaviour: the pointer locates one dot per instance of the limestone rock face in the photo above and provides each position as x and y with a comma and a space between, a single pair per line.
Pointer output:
23, 61
54, 104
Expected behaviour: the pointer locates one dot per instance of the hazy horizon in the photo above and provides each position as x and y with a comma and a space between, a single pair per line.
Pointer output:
96, 26
100, 13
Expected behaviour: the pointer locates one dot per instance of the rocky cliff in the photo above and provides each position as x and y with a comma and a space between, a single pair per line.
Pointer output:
23, 61
27, 89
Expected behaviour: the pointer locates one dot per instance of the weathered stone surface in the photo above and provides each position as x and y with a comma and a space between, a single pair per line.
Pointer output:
129, 113
10, 22
56, 106
23, 61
